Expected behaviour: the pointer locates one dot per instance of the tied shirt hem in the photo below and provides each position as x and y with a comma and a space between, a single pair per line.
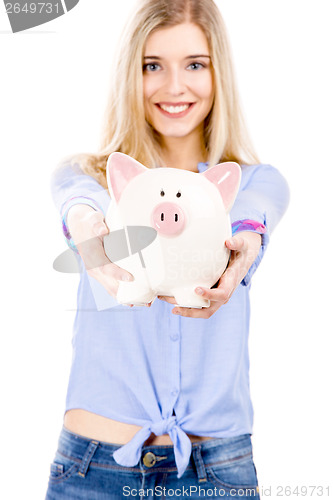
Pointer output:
129, 454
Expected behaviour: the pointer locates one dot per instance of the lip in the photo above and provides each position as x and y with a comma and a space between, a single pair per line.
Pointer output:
174, 104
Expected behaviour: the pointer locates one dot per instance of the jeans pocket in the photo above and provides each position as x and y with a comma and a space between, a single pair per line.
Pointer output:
63, 468
239, 474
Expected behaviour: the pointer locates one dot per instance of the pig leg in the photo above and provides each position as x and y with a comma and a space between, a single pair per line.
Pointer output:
186, 297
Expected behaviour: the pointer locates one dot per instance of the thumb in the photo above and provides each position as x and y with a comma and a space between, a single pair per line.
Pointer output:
235, 243
99, 227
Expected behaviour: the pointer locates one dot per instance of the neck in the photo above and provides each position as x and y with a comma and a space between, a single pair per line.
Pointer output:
184, 153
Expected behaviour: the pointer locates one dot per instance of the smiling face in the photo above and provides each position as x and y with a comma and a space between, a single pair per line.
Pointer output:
177, 81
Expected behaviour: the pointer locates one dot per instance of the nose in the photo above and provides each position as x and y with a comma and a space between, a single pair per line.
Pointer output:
175, 82
168, 219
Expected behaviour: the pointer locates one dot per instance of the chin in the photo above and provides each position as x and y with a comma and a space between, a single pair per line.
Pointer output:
174, 132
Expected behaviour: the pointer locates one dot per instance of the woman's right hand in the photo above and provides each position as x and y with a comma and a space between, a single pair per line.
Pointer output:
87, 228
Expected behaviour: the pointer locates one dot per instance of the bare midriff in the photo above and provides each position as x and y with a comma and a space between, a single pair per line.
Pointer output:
94, 426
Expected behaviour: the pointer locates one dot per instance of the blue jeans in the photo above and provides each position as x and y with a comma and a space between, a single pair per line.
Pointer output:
218, 468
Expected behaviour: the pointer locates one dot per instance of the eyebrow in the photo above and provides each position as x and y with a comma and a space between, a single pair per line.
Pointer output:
188, 57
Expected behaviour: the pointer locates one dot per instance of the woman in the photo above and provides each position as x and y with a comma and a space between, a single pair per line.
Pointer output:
158, 397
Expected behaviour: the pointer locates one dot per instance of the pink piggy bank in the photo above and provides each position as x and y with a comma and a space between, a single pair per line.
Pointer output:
190, 214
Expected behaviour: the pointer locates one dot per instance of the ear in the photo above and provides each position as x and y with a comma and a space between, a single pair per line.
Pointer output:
120, 170
226, 177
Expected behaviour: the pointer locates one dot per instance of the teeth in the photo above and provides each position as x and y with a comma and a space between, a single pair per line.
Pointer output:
174, 109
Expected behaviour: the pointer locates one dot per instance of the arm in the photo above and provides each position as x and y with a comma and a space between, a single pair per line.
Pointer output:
263, 196
82, 203
70, 187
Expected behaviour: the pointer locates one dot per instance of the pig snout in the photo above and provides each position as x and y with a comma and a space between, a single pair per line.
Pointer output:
168, 219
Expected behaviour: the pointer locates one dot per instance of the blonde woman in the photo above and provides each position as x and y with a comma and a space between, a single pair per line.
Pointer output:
158, 399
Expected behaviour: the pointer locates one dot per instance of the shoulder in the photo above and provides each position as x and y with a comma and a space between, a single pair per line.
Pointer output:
249, 171
69, 163
260, 173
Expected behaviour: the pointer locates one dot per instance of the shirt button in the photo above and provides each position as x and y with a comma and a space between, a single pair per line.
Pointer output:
174, 392
174, 337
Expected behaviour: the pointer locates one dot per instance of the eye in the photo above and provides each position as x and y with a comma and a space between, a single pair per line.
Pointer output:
196, 65
162, 193
178, 194
151, 67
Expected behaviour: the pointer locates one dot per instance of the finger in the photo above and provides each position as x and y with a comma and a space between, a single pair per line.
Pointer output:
214, 294
115, 272
94, 257
98, 224
237, 243
109, 276
204, 313
100, 229
170, 300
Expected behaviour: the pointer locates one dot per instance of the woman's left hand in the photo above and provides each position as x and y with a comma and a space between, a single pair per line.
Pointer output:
244, 248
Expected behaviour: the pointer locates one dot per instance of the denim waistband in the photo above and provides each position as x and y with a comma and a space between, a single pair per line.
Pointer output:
154, 458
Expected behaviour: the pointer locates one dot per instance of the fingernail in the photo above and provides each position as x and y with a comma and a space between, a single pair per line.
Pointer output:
199, 291
126, 277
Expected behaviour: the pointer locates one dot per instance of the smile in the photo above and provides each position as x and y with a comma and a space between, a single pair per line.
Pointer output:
176, 110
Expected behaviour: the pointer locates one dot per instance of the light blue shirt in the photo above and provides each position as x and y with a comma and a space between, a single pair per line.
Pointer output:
163, 372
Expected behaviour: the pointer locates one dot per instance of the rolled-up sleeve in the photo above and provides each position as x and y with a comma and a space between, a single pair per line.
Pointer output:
71, 186
263, 197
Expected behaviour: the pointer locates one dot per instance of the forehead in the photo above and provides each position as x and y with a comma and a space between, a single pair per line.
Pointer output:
182, 39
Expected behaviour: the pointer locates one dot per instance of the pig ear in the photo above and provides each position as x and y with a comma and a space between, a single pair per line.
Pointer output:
226, 177
120, 170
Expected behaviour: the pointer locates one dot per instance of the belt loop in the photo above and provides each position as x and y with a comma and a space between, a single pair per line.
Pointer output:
199, 464
87, 457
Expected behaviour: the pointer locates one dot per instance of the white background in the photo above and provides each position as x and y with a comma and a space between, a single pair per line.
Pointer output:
53, 89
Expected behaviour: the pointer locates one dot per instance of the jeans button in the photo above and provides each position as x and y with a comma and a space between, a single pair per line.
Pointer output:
149, 459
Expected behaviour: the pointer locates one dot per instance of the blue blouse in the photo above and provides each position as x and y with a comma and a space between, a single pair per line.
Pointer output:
149, 367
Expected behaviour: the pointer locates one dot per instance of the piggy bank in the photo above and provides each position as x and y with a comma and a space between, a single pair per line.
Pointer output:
187, 211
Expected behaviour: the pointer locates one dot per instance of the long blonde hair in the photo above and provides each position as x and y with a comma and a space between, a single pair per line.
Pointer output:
125, 128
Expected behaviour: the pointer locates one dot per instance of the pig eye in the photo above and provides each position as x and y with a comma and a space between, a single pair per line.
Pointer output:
178, 194
162, 193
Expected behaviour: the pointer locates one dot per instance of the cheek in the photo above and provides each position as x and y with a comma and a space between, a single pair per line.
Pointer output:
203, 89
146, 95
146, 91
206, 88
148, 106
150, 86
210, 94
